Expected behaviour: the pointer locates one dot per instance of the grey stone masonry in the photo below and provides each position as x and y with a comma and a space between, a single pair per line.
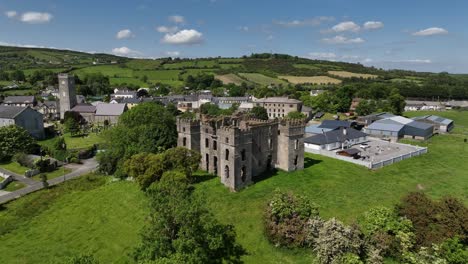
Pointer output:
67, 93
239, 148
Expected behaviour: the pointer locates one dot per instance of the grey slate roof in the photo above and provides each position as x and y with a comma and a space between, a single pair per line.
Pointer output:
334, 124
386, 125
335, 136
10, 112
19, 100
84, 108
110, 109
284, 100
435, 119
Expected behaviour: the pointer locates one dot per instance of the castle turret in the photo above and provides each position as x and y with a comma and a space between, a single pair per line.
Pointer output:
291, 145
188, 131
67, 93
235, 157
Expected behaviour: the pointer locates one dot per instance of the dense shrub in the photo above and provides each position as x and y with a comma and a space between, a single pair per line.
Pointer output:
336, 240
23, 159
387, 232
435, 221
454, 251
286, 220
14, 139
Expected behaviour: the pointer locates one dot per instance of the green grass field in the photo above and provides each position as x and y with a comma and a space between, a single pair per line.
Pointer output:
77, 217
105, 220
75, 142
14, 167
342, 190
14, 186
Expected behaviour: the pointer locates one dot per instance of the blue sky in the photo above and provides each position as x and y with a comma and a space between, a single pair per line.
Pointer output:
421, 35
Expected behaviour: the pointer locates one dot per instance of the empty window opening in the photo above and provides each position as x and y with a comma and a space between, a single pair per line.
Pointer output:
243, 174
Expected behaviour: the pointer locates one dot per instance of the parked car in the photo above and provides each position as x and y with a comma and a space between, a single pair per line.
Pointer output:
364, 146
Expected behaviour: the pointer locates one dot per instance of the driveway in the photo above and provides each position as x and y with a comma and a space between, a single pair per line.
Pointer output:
87, 166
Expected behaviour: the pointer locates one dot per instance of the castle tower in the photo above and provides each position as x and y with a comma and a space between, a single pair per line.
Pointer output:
67, 94
235, 157
188, 131
291, 145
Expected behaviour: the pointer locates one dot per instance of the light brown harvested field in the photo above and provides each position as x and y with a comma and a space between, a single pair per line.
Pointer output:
230, 78
310, 79
345, 74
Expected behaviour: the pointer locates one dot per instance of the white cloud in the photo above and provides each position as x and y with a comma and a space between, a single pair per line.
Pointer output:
244, 28
346, 26
370, 25
183, 37
177, 19
36, 17
124, 34
343, 40
322, 55
11, 14
270, 37
165, 29
172, 53
415, 61
124, 51
430, 32
306, 22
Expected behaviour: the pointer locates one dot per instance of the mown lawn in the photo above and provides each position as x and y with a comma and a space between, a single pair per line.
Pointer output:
14, 186
14, 167
82, 216
342, 190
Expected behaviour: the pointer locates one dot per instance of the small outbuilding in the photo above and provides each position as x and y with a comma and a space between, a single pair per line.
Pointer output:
441, 124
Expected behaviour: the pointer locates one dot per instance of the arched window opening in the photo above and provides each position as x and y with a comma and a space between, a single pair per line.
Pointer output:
243, 173
207, 143
226, 172
296, 144
184, 142
227, 154
243, 154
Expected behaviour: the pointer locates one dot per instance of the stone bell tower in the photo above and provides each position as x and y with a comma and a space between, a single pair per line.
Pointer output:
67, 93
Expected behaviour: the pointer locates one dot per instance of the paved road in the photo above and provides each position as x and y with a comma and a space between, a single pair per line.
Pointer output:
87, 166
18, 177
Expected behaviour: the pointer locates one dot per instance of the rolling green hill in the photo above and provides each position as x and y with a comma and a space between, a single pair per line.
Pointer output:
260, 69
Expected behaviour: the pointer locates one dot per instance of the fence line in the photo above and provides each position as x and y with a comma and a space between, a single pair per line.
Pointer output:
369, 164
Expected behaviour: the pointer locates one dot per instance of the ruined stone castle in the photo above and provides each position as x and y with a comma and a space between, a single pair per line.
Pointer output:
238, 148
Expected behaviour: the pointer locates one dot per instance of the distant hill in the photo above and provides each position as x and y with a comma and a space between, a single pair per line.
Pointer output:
257, 69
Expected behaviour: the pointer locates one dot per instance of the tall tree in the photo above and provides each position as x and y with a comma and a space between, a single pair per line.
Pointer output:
182, 230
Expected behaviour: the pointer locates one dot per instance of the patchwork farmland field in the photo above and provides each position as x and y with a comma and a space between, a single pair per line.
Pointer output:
311, 79
261, 79
230, 78
345, 74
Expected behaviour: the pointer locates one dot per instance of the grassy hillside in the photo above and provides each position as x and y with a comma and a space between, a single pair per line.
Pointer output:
78, 217
259, 69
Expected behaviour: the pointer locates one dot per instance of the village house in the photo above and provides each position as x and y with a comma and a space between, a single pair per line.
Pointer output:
279, 106
25, 117
342, 138
20, 101
109, 113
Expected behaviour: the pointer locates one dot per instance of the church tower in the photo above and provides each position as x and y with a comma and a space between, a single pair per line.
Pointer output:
67, 94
